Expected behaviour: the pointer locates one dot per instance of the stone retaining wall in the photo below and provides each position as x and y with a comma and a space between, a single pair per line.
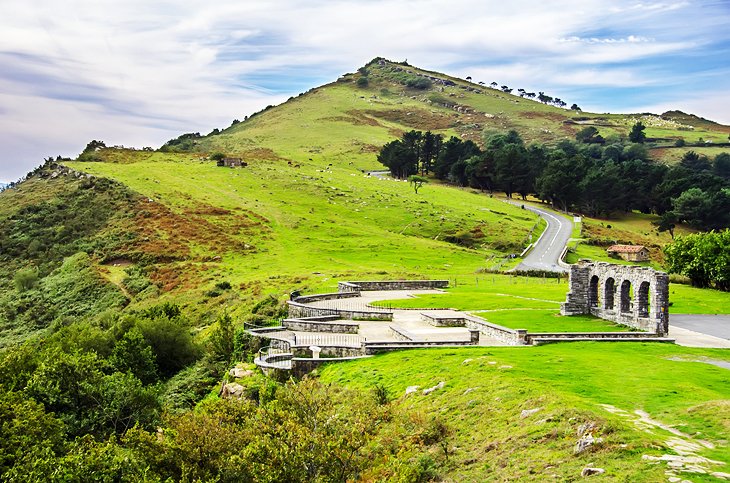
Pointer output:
298, 311
329, 351
444, 321
305, 299
401, 335
321, 324
494, 331
367, 286
588, 335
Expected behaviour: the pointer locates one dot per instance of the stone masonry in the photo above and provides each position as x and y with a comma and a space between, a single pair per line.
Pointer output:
634, 296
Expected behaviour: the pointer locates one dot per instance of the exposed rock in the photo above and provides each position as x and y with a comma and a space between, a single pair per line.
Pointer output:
721, 475
411, 389
231, 390
526, 413
428, 391
466, 361
588, 471
585, 443
470, 390
238, 373
586, 428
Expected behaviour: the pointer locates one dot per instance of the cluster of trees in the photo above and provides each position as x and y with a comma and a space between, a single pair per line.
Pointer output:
586, 176
702, 257
541, 96
112, 400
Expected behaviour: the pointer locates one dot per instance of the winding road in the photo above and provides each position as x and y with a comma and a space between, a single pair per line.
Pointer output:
545, 255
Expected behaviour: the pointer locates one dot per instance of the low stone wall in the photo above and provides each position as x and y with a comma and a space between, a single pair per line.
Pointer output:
305, 299
375, 347
402, 335
391, 285
321, 324
328, 352
444, 321
587, 335
299, 311
494, 331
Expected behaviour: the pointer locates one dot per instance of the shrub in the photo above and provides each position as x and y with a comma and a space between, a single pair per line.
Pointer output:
26, 279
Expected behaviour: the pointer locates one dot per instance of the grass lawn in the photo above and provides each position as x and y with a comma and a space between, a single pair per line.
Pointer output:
487, 388
549, 320
686, 299
491, 292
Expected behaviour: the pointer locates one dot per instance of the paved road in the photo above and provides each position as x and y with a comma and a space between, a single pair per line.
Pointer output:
710, 324
546, 253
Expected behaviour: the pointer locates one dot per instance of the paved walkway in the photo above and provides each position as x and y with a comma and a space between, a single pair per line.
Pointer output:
710, 324
406, 320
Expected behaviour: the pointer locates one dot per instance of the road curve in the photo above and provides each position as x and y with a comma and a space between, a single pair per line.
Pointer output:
545, 255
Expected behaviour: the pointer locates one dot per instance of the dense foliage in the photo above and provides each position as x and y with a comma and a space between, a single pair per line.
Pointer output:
703, 257
593, 175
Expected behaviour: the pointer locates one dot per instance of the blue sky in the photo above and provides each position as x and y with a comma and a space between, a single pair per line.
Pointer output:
137, 73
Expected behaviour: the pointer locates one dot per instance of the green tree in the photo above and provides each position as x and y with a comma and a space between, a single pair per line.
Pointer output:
636, 135
218, 156
693, 207
417, 182
171, 342
27, 431
702, 257
221, 342
132, 354
362, 81
589, 135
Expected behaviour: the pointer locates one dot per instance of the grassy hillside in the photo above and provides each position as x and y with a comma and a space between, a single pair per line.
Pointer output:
516, 414
344, 122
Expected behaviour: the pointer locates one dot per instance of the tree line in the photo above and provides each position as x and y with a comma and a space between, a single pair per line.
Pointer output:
597, 177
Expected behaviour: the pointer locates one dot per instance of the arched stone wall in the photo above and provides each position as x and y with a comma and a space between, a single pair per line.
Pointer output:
634, 296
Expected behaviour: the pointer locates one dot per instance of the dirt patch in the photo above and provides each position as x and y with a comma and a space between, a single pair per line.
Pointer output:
415, 118
542, 115
203, 209
119, 262
260, 154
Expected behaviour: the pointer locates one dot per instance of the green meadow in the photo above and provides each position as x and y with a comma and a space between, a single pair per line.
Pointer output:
486, 389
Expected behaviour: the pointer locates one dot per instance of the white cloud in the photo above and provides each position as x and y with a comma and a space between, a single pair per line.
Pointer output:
140, 72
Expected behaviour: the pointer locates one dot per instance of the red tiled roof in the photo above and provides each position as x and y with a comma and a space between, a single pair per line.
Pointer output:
626, 248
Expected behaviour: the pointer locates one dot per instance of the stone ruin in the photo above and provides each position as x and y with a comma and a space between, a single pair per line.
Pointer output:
634, 296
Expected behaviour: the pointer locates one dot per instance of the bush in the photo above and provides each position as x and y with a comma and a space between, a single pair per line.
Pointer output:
422, 83
362, 82
26, 279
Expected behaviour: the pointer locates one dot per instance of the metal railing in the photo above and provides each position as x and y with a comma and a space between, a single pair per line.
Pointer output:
328, 340
275, 357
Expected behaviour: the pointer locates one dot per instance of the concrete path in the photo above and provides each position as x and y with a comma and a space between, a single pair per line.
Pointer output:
710, 324
545, 255
407, 320
689, 338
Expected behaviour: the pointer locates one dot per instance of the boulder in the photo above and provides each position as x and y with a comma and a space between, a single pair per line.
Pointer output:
588, 471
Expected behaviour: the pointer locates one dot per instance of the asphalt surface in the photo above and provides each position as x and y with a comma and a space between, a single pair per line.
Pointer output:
710, 324
545, 255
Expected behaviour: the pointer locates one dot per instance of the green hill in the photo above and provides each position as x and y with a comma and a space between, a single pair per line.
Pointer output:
119, 271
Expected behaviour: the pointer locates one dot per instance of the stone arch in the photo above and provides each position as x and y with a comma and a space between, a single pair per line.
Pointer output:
609, 292
593, 291
642, 299
626, 296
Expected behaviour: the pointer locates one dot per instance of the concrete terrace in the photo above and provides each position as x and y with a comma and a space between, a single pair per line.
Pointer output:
410, 321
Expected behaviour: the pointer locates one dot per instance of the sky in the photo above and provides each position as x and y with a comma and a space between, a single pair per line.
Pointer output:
139, 72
